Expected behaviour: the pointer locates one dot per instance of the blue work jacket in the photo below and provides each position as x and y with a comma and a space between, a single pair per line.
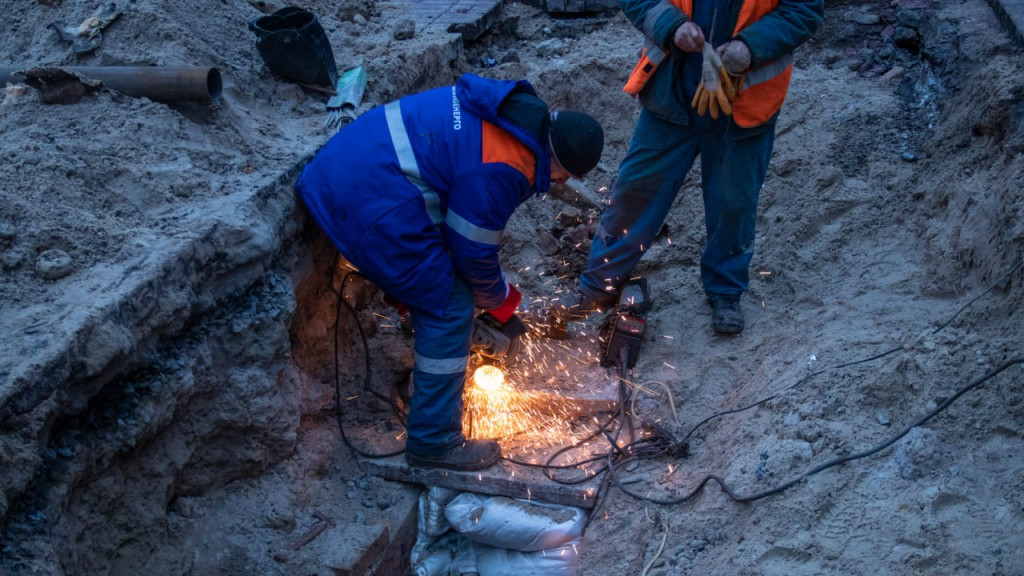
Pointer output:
418, 190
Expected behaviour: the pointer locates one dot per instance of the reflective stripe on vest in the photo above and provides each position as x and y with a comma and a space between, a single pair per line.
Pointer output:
758, 100
442, 366
472, 231
407, 160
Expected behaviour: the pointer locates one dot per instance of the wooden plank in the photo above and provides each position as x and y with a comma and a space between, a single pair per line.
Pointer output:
502, 479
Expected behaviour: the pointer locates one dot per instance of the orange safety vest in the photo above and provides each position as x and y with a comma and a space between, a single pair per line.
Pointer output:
754, 105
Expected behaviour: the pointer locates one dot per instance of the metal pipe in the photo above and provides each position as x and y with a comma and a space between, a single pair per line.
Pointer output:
162, 84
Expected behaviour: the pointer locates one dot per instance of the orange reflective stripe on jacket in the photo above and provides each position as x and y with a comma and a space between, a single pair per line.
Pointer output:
500, 146
754, 105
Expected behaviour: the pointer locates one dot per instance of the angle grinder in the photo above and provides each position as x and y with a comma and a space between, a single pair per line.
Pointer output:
495, 341
623, 330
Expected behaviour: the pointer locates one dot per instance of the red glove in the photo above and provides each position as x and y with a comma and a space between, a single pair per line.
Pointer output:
508, 307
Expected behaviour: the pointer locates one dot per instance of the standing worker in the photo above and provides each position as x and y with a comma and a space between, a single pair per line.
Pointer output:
690, 107
416, 195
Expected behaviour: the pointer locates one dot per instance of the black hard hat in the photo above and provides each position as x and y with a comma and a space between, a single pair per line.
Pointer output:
576, 141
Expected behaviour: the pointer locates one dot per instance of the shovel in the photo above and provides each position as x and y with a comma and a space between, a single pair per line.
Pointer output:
341, 108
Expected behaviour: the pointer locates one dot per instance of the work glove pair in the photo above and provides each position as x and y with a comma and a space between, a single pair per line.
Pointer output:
715, 92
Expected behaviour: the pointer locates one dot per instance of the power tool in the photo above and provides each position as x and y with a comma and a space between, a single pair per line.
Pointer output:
623, 329
495, 341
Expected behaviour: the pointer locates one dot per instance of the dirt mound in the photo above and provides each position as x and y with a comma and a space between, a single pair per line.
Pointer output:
166, 363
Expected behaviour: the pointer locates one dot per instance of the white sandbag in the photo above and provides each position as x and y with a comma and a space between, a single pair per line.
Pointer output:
514, 524
436, 559
435, 563
465, 562
431, 523
560, 561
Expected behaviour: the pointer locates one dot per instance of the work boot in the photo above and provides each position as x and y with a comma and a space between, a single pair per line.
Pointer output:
726, 314
470, 455
575, 306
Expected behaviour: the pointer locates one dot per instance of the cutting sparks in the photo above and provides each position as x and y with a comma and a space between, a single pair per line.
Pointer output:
496, 409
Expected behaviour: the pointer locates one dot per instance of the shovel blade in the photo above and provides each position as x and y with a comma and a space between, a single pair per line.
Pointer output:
351, 87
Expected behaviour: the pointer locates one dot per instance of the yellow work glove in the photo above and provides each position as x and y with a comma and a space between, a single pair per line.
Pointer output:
715, 92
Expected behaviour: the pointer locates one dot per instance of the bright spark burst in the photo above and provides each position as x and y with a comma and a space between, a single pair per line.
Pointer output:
503, 403
496, 407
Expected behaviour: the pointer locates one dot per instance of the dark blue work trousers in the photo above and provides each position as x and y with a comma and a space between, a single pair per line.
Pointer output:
733, 163
442, 351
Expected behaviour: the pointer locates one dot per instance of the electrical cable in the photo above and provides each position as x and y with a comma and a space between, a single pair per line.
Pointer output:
855, 362
620, 456
826, 465
625, 455
339, 410
786, 389
972, 300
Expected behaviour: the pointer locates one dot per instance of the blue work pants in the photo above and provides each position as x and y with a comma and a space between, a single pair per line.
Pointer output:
442, 353
733, 163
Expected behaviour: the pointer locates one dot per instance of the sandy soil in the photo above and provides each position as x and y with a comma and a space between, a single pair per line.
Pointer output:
886, 273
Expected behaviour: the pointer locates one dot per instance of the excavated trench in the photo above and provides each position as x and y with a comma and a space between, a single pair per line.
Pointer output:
214, 374
210, 370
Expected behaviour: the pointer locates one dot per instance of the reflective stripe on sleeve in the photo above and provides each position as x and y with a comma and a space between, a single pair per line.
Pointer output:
441, 365
767, 71
654, 52
407, 160
471, 231
651, 19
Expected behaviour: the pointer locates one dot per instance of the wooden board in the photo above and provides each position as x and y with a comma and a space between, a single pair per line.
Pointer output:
502, 479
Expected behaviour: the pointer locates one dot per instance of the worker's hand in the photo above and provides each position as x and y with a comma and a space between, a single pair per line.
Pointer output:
508, 308
715, 92
735, 57
689, 37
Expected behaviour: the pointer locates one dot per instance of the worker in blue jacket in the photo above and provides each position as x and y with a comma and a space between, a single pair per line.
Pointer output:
416, 195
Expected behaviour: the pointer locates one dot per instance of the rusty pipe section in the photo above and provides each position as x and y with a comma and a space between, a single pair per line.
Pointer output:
162, 84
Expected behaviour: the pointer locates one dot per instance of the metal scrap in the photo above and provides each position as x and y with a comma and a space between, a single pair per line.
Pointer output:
87, 36
59, 86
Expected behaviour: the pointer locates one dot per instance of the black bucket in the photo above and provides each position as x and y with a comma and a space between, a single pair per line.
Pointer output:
295, 47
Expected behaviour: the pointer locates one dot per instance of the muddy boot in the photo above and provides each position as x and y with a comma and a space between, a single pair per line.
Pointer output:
470, 455
726, 315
